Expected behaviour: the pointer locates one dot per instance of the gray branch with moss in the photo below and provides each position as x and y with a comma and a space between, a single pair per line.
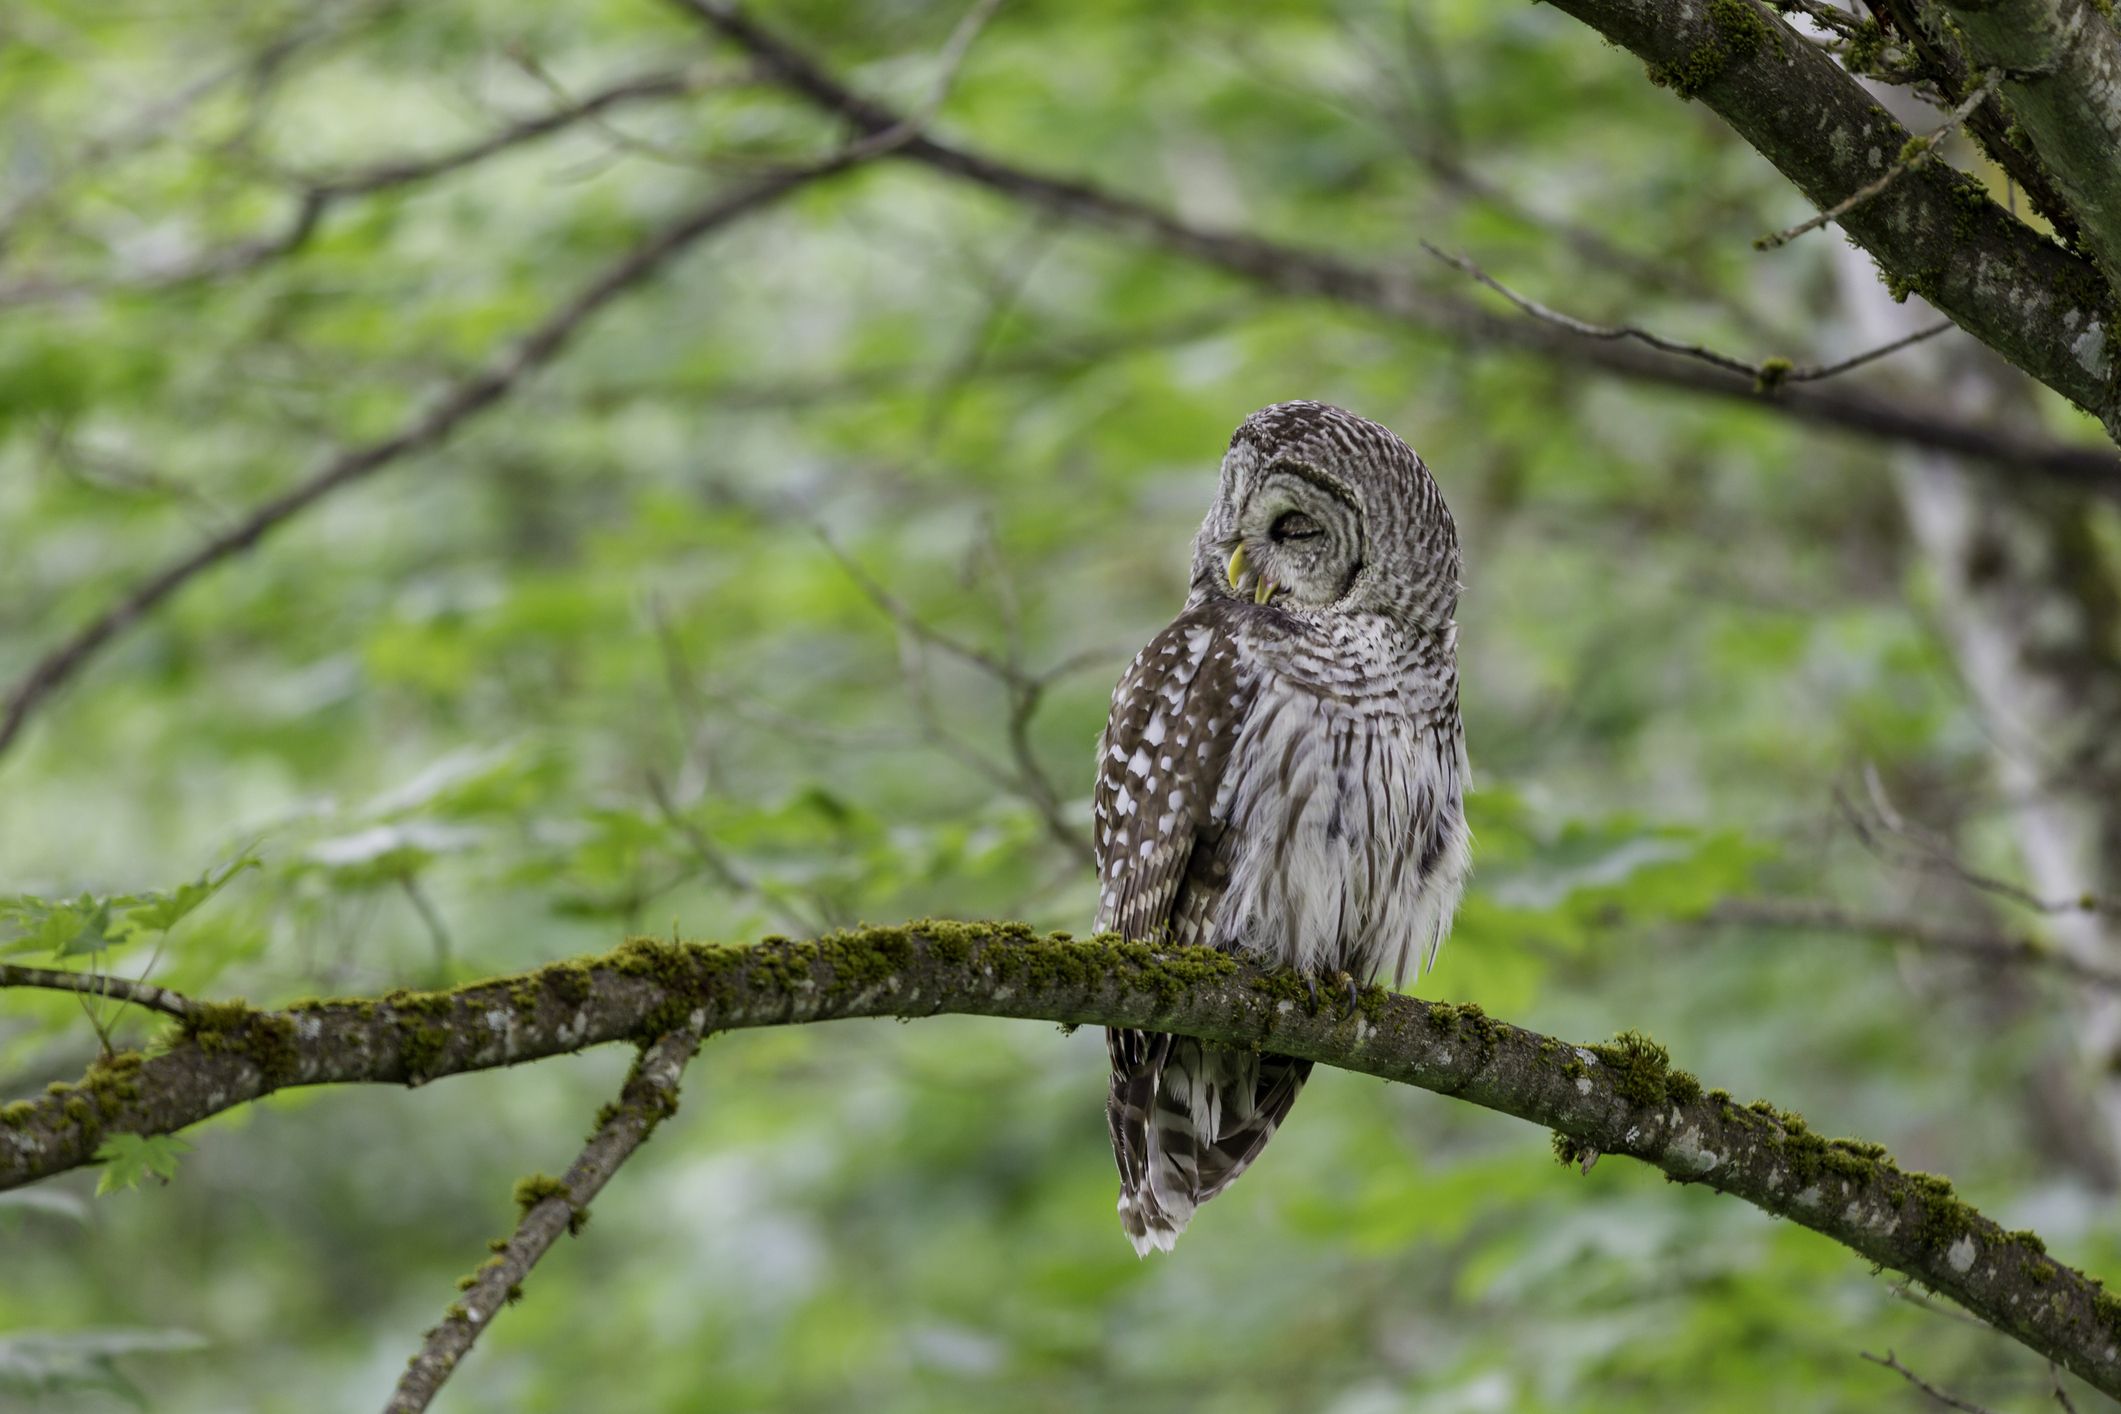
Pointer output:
1618, 1098
2061, 67
550, 1207
1934, 232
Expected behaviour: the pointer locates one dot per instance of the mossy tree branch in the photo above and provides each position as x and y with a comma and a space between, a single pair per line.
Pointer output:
2061, 66
551, 1207
1621, 1098
1934, 232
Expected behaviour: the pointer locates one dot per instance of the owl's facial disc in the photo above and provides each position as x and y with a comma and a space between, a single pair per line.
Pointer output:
1299, 540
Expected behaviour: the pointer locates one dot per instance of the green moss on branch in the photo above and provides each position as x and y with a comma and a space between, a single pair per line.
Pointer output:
1621, 1097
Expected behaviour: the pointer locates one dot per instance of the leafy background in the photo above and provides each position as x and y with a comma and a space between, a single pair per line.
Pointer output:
598, 666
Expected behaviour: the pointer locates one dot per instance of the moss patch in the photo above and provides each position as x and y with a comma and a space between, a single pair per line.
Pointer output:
1737, 32
266, 1039
1641, 1071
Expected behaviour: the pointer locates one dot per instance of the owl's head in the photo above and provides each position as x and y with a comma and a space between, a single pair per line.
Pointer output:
1322, 511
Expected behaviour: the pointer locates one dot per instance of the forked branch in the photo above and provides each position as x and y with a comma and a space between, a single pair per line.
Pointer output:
1620, 1098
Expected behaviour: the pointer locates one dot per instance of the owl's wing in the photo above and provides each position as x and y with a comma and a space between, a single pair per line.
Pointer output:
1161, 871
1174, 721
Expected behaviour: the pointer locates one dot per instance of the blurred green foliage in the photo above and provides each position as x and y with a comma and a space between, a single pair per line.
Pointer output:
591, 668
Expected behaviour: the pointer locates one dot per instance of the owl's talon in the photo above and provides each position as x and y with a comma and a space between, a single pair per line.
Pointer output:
1354, 992
1311, 990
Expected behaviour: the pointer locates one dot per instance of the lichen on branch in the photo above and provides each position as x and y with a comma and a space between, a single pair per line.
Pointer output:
1934, 232
1618, 1098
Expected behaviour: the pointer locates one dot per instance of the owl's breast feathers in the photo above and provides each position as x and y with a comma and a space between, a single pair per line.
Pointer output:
1287, 787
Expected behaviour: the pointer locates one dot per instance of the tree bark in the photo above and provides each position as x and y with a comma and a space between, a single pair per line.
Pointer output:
1620, 1098
1934, 231
2061, 67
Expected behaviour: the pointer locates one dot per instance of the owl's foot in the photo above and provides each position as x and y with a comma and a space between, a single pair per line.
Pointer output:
1342, 981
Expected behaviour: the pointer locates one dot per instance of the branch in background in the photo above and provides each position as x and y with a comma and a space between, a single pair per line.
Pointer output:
1311, 274
482, 390
714, 863
1934, 232
1918, 151
1998, 949
1885, 832
316, 195
98, 984
1620, 1098
1767, 373
550, 1208
1943, 1397
468, 398
153, 122
2061, 63
1025, 776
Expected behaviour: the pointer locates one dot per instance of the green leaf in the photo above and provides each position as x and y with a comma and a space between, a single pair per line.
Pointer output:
68, 927
161, 911
129, 1158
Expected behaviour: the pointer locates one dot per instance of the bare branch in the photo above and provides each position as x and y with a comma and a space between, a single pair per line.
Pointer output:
98, 984
716, 864
1829, 370
1313, 274
1025, 777
1943, 1397
1621, 1098
650, 1096
1886, 833
426, 429
1767, 373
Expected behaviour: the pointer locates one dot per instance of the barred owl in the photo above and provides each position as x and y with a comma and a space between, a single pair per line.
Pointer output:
1280, 776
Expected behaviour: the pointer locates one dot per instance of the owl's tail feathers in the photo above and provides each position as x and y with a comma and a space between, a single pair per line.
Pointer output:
1186, 1120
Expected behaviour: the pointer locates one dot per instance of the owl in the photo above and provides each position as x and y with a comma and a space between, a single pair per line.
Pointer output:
1281, 776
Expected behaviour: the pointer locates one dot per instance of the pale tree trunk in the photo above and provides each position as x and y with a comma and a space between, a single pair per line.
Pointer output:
2027, 605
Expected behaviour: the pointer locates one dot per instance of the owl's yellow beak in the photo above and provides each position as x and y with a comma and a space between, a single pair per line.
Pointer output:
1236, 570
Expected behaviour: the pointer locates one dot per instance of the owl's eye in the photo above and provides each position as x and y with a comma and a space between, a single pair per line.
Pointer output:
1293, 525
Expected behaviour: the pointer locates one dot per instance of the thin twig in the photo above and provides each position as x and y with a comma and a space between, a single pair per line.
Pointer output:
650, 1096
466, 399
1810, 372
714, 862
1918, 151
2054, 1375
98, 984
1025, 777
1767, 375
430, 918
1891, 837
1905, 1291
1943, 1397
